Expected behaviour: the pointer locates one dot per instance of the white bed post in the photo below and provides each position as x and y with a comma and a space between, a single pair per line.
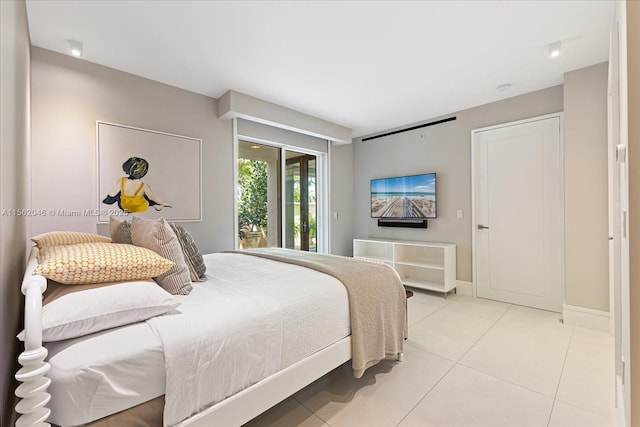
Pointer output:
33, 390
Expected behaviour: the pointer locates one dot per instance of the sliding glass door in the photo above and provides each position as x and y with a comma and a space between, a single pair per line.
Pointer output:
278, 205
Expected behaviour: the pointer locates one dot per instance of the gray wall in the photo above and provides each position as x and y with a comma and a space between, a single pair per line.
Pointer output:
15, 89
586, 188
235, 104
342, 178
446, 150
69, 95
268, 133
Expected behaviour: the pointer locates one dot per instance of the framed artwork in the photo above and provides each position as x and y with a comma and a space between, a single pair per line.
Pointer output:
147, 173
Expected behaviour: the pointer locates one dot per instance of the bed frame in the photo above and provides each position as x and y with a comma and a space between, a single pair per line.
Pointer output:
235, 410
33, 390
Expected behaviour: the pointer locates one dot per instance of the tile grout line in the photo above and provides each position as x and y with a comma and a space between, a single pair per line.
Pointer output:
314, 414
426, 394
564, 362
511, 382
520, 386
485, 333
553, 397
573, 405
308, 409
459, 361
428, 391
455, 362
433, 312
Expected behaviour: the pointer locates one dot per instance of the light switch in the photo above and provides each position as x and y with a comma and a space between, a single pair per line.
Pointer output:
334, 214
459, 214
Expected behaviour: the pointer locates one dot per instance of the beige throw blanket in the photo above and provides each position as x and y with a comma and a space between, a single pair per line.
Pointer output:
377, 301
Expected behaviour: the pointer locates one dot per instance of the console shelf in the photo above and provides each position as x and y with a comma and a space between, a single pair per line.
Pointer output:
423, 265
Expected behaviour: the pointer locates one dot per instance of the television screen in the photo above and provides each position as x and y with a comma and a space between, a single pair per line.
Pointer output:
404, 197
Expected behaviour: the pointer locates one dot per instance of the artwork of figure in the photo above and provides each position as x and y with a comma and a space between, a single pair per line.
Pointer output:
132, 194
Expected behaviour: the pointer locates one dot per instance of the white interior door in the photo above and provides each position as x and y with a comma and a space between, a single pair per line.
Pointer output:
518, 212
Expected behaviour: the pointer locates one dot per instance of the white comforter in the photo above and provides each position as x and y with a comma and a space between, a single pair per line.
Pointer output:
237, 329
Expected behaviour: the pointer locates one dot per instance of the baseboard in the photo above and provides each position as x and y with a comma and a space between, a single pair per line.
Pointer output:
464, 288
586, 318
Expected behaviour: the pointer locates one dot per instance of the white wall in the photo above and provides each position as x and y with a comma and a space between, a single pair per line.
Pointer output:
446, 150
15, 58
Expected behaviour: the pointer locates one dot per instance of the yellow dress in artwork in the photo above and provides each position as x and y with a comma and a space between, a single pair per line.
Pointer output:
135, 168
135, 203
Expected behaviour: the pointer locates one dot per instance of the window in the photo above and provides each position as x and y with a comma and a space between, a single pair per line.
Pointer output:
258, 197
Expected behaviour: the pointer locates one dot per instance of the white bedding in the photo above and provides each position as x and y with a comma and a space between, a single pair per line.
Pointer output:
249, 318
99, 374
252, 318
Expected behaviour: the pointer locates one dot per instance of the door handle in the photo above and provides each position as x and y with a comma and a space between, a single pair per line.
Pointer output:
482, 227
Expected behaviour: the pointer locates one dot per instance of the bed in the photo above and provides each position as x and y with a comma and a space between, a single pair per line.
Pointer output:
256, 331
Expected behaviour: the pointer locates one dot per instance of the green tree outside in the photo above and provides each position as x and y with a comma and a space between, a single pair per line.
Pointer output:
252, 200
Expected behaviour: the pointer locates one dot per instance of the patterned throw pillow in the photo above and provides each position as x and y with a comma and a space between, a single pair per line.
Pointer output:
56, 238
192, 255
99, 262
120, 230
158, 236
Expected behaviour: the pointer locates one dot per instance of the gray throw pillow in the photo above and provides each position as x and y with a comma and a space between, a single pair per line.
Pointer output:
120, 230
158, 236
192, 255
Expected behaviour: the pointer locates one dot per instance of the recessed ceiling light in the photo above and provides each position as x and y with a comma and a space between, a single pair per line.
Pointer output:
255, 146
554, 49
503, 87
75, 47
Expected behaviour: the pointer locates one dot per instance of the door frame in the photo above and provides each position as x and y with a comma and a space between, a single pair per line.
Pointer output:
304, 199
474, 189
322, 195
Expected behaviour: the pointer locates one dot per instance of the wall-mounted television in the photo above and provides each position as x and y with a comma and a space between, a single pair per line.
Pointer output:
404, 197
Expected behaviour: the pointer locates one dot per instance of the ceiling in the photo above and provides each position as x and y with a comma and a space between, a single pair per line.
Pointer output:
366, 65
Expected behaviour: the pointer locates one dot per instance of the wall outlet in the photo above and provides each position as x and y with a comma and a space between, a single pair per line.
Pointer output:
459, 214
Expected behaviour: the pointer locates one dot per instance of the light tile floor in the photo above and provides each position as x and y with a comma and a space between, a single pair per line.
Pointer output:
469, 362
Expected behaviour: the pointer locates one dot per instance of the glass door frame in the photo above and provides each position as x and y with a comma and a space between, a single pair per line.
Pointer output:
322, 199
306, 213
322, 186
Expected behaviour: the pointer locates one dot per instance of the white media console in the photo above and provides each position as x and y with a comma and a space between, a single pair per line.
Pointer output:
422, 265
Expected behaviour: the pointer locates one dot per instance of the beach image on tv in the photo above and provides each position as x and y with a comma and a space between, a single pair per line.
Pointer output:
404, 197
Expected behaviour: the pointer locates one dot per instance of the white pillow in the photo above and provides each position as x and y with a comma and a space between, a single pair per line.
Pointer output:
88, 311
